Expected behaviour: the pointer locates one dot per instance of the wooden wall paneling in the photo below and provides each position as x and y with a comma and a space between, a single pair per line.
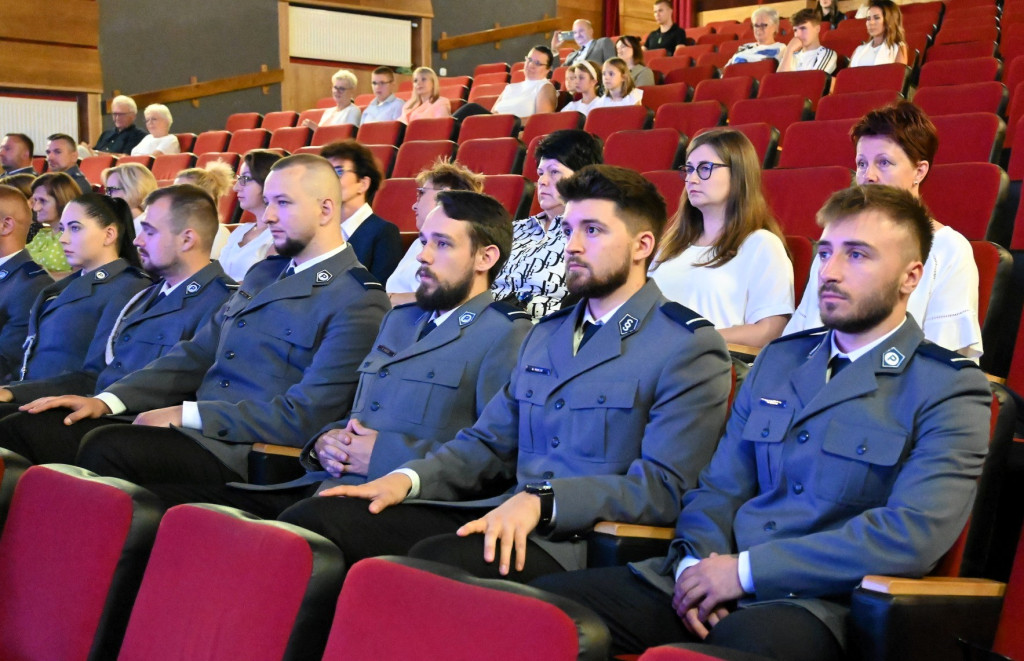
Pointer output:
591, 10
50, 67
69, 22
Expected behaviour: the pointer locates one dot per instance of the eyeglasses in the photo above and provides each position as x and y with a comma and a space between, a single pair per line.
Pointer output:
244, 179
115, 189
423, 189
340, 171
703, 169
761, 26
341, 89
535, 63
120, 114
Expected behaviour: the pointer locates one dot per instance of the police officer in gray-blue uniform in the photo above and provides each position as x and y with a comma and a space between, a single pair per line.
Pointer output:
71, 319
610, 413
433, 367
21, 279
851, 450
276, 363
177, 233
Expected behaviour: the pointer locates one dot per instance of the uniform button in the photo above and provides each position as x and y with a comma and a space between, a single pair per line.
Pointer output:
765, 432
383, 373
288, 331
861, 449
229, 355
548, 475
241, 323
798, 488
126, 337
366, 364
430, 374
222, 433
555, 442
769, 527
225, 383
803, 436
159, 336
601, 399
529, 393
559, 404
118, 364
375, 406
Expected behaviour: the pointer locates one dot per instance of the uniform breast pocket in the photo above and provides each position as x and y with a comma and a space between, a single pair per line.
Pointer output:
766, 428
156, 341
604, 428
425, 394
860, 463
293, 346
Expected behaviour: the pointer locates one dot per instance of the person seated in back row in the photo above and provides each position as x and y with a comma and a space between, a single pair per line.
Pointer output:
765, 21
619, 88
385, 106
804, 51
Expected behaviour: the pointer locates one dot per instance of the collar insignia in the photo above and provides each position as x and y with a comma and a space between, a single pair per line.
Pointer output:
193, 287
892, 358
466, 317
628, 324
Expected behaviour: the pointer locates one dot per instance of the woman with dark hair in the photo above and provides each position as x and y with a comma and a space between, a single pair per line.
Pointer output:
896, 146
628, 48
249, 242
887, 42
51, 192
723, 254
829, 11
71, 319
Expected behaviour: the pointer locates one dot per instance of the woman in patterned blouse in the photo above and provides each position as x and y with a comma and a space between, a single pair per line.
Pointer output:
51, 192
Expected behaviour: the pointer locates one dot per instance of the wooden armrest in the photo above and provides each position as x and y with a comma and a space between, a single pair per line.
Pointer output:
618, 529
934, 585
743, 348
269, 448
995, 379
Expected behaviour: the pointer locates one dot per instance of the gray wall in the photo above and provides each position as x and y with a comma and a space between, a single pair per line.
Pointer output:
147, 45
462, 16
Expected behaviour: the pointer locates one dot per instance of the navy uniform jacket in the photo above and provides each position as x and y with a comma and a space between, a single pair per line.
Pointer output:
419, 394
871, 473
621, 429
21, 280
71, 319
276, 363
142, 334
378, 245
79, 178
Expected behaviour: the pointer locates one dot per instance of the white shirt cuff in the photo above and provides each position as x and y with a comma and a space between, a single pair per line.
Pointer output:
113, 403
190, 416
686, 562
414, 490
743, 569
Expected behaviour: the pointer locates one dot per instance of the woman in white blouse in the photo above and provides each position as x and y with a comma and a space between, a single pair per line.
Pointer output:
345, 111
249, 242
895, 146
587, 86
723, 254
887, 41
159, 141
619, 88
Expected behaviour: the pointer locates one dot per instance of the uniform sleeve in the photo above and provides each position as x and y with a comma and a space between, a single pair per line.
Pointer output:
770, 273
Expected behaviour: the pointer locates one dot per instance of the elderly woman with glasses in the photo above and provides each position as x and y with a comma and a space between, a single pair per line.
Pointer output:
159, 141
723, 254
345, 111
766, 24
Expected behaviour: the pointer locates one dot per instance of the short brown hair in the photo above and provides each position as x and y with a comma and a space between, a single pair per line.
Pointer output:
383, 71
60, 186
806, 16
363, 162
896, 204
450, 175
190, 206
903, 123
489, 223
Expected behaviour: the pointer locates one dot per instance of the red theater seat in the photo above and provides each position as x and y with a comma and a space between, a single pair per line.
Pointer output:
796, 212
243, 120
811, 144
245, 140
514, 191
394, 201
492, 155
280, 119
290, 138
415, 156
325, 135
602, 122
658, 149
211, 141
381, 133
689, 118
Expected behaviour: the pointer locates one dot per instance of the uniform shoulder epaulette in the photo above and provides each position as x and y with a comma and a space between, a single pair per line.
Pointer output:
232, 286
401, 306
365, 278
684, 316
807, 332
944, 355
556, 314
33, 270
510, 311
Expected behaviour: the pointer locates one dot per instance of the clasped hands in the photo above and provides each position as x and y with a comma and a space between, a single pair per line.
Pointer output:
702, 590
346, 450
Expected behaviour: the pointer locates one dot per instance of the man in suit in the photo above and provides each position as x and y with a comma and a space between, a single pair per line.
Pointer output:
276, 363
595, 50
612, 409
177, 233
21, 279
62, 156
667, 35
829, 469
16, 155
434, 365
377, 243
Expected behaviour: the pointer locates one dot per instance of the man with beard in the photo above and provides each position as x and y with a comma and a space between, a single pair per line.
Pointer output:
433, 366
851, 450
611, 411
174, 245
277, 362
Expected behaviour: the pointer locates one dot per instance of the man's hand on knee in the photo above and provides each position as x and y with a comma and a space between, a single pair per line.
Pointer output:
382, 492
81, 407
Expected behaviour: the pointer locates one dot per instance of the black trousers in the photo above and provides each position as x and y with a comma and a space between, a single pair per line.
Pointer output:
468, 553
264, 504
641, 616
43, 438
150, 456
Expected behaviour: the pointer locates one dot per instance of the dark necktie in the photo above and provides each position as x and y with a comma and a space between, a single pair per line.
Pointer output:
838, 364
588, 332
427, 329
161, 296
289, 271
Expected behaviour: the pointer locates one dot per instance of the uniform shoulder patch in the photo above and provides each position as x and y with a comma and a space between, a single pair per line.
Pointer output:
557, 314
510, 311
684, 316
365, 278
944, 355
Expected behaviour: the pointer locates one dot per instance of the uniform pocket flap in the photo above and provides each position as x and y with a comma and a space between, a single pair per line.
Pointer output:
301, 336
445, 374
767, 424
603, 394
882, 447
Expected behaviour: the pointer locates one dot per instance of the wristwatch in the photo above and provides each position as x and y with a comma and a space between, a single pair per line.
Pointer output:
546, 493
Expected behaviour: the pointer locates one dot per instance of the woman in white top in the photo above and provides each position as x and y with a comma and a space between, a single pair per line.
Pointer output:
629, 49
765, 21
619, 88
159, 141
345, 111
534, 95
895, 146
587, 86
250, 242
887, 42
723, 254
